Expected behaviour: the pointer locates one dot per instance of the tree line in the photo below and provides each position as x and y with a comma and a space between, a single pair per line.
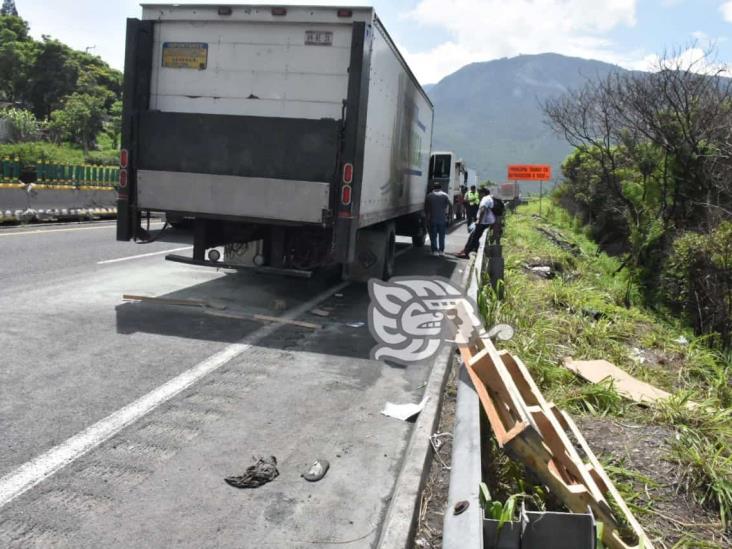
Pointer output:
651, 177
69, 95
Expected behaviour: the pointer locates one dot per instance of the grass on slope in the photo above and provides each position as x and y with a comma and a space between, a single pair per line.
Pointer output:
591, 311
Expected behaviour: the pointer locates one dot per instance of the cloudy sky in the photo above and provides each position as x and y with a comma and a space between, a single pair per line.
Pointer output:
440, 36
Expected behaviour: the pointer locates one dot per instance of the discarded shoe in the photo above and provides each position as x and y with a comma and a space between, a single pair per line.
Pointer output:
262, 472
317, 470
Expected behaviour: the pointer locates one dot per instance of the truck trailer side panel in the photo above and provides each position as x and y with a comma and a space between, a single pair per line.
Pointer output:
398, 137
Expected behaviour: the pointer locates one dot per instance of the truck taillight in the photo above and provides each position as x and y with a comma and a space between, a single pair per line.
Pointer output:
124, 158
122, 178
347, 173
346, 195
345, 13
279, 11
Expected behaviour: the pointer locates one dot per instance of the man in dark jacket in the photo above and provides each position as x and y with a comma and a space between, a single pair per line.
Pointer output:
436, 207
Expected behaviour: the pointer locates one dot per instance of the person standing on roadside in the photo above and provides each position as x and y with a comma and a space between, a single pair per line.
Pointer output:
486, 219
472, 199
436, 207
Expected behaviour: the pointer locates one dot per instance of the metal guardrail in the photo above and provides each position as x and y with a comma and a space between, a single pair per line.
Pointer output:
465, 530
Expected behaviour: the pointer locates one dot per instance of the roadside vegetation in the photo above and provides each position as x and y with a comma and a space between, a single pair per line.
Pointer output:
672, 463
632, 263
60, 105
650, 180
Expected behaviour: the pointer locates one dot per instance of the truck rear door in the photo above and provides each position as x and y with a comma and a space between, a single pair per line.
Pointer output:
244, 114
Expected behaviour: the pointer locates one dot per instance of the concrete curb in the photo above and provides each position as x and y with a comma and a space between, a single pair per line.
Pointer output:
21, 204
400, 524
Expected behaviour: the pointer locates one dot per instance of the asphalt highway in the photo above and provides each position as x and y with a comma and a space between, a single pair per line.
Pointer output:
119, 420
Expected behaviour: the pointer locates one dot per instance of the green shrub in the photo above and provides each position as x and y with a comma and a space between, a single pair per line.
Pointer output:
23, 123
103, 158
29, 154
697, 281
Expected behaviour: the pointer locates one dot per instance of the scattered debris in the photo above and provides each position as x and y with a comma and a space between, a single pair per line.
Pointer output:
356, 324
558, 238
174, 301
262, 472
319, 312
404, 412
681, 340
544, 268
637, 355
538, 434
542, 271
437, 443
338, 295
596, 371
317, 470
502, 332
220, 309
460, 507
594, 314
279, 305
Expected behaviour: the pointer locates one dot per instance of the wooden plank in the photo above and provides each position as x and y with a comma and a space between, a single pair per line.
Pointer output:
513, 395
166, 300
575, 496
494, 417
524, 388
553, 433
265, 318
215, 311
644, 542
485, 369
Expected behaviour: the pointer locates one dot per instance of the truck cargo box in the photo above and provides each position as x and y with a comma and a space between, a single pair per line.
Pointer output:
256, 120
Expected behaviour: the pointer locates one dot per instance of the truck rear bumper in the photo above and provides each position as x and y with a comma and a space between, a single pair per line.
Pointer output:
297, 273
254, 197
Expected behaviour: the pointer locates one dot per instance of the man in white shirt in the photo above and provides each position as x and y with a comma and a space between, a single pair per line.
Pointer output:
486, 218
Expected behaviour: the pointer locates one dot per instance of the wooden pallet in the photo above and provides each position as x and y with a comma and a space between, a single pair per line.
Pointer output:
538, 434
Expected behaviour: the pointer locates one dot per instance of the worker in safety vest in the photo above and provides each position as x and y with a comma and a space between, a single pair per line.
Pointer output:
472, 201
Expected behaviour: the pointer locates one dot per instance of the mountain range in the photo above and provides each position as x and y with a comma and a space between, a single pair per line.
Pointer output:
490, 113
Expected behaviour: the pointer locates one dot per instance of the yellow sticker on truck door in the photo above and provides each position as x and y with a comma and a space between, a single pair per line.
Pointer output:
185, 55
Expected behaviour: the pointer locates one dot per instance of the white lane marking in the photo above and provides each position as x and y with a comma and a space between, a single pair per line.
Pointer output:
40, 231
41, 467
107, 261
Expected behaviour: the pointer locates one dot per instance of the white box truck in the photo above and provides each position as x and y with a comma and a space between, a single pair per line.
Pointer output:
297, 132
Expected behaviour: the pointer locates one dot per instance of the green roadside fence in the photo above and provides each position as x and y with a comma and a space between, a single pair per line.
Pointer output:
60, 175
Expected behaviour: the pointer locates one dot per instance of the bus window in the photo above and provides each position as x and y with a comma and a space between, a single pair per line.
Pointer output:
441, 166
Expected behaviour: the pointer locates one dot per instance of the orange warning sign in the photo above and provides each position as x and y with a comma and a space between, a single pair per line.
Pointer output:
529, 172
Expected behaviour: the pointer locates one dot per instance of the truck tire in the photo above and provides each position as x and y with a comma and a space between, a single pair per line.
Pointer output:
389, 255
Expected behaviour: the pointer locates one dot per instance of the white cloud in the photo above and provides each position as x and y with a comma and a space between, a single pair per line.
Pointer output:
697, 59
480, 30
726, 10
